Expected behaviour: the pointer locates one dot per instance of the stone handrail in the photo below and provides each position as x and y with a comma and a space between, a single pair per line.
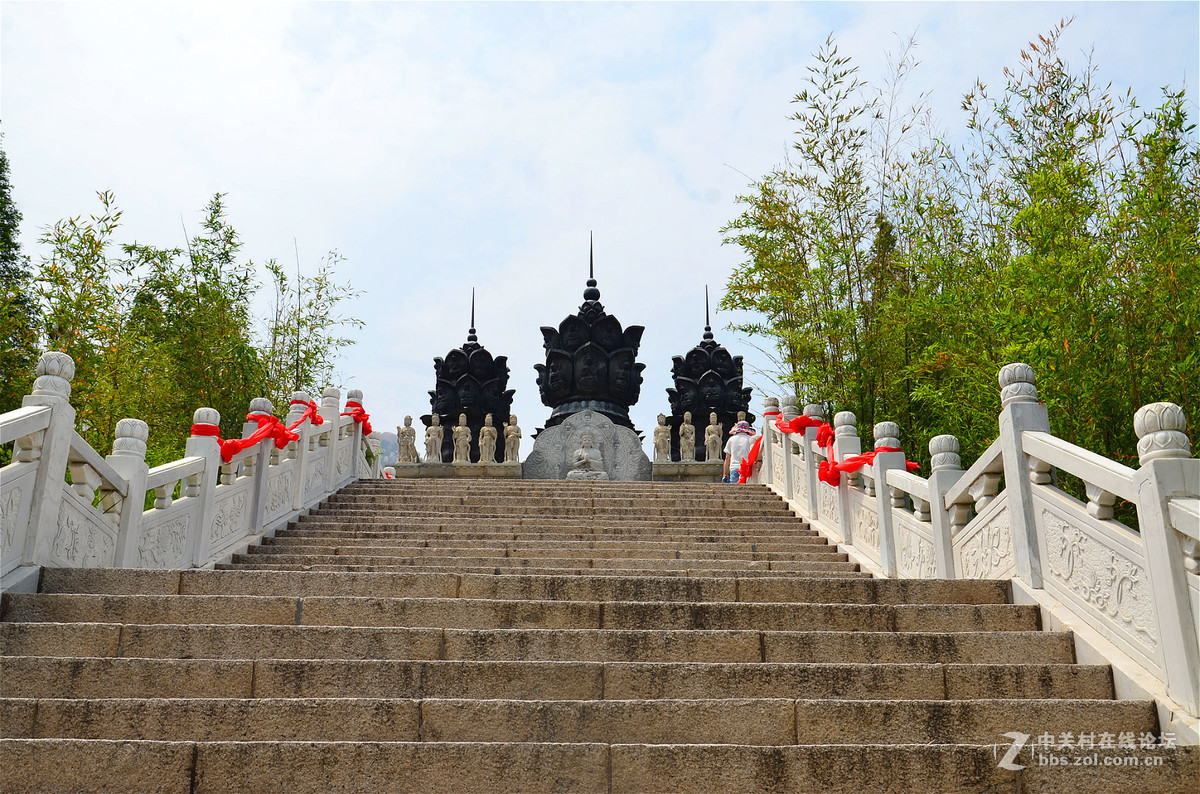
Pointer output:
204, 508
23, 422
1131, 595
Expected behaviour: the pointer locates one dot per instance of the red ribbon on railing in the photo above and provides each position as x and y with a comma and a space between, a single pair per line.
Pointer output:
359, 415
830, 469
311, 412
268, 427
799, 424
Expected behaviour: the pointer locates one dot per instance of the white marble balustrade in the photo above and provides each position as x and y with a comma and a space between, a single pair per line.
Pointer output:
204, 508
1130, 594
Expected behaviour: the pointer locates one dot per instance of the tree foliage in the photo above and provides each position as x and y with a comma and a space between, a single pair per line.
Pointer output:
301, 343
158, 332
897, 271
18, 308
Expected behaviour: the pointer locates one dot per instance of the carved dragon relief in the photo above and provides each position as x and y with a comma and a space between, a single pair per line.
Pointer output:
316, 475
80, 542
866, 527
799, 483
829, 506
163, 546
1101, 577
10, 508
279, 493
916, 555
988, 554
230, 516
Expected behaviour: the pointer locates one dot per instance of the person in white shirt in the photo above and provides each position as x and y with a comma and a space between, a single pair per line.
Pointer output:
736, 448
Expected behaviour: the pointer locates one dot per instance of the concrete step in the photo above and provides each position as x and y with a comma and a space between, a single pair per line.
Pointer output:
805, 544
538, 529
645, 587
811, 552
738, 721
814, 568
200, 641
476, 613
539, 488
196, 768
86, 677
585, 521
552, 503
636, 512
753, 570
447, 535
800, 543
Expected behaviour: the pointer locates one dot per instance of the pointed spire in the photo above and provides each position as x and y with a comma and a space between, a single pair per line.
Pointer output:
471, 333
707, 324
591, 293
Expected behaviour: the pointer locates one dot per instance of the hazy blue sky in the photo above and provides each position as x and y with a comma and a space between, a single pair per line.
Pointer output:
441, 147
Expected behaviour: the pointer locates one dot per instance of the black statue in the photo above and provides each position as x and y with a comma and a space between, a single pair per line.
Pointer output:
471, 382
708, 380
591, 363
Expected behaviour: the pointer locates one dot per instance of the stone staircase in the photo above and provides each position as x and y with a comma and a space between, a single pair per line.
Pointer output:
546, 636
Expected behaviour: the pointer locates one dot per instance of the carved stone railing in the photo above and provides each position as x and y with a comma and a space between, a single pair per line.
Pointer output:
204, 508
1131, 595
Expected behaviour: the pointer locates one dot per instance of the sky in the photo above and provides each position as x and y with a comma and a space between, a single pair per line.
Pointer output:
441, 147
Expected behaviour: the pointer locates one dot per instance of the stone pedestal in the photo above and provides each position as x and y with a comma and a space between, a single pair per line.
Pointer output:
688, 472
620, 449
492, 471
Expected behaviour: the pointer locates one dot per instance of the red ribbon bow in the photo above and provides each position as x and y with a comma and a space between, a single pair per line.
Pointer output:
268, 427
360, 416
830, 469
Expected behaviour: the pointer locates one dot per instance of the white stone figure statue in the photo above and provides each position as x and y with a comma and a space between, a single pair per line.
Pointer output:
687, 439
433, 440
712, 439
662, 441
407, 437
586, 462
487, 441
461, 435
512, 441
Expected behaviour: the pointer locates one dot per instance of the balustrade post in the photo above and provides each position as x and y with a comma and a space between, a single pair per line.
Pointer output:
331, 412
816, 411
202, 443
1020, 411
945, 470
259, 406
128, 458
296, 408
787, 405
355, 396
887, 434
771, 412
52, 388
1169, 471
845, 443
